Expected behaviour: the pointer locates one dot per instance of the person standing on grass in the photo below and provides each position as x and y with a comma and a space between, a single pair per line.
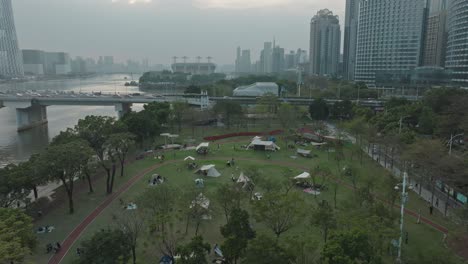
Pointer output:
431, 209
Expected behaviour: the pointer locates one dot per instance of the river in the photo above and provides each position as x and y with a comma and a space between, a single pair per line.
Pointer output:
16, 147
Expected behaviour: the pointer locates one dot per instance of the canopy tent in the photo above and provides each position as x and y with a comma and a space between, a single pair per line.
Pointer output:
203, 145
201, 201
209, 170
317, 144
258, 144
189, 158
303, 152
304, 175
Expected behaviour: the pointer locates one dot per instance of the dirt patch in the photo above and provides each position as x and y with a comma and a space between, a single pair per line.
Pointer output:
459, 244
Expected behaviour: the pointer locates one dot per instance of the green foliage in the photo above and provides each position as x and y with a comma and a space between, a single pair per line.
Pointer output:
17, 239
179, 109
194, 252
265, 250
237, 232
288, 115
106, 247
352, 246
278, 211
192, 89
147, 123
318, 109
342, 110
324, 218
229, 110
229, 198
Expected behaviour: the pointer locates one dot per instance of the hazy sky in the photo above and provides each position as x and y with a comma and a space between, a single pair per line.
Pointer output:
160, 29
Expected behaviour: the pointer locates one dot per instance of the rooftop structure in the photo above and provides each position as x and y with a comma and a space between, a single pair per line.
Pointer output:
257, 89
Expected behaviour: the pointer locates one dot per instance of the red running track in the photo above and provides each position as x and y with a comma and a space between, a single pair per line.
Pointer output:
76, 233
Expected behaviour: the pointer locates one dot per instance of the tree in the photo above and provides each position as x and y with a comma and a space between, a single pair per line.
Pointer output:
147, 123
194, 252
265, 250
288, 115
278, 211
132, 224
342, 110
228, 109
12, 186
237, 232
119, 145
107, 246
96, 130
193, 89
64, 163
318, 109
229, 198
178, 111
17, 239
348, 247
324, 218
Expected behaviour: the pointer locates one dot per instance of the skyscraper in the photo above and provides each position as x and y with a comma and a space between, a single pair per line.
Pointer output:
435, 40
277, 60
243, 62
266, 58
350, 38
325, 40
389, 37
11, 61
457, 47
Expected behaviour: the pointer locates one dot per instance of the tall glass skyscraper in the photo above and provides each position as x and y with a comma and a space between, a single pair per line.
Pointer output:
325, 41
457, 45
11, 62
350, 35
389, 38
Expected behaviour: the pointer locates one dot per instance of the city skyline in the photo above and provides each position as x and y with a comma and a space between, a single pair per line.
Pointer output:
111, 26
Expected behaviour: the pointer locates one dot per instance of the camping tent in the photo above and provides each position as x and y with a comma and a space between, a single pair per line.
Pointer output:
244, 180
209, 170
202, 201
203, 145
258, 144
189, 158
304, 175
303, 152
166, 260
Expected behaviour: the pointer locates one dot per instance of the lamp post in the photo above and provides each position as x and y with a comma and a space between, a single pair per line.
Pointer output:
404, 196
452, 137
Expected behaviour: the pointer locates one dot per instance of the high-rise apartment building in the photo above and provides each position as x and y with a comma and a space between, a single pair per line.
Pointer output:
243, 61
350, 38
266, 58
33, 62
435, 40
457, 45
277, 60
325, 41
389, 37
11, 62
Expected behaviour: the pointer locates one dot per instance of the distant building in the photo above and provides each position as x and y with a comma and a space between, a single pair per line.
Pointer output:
350, 38
202, 68
11, 62
78, 65
290, 61
57, 63
257, 89
457, 47
277, 60
389, 37
266, 58
435, 41
243, 61
33, 62
325, 41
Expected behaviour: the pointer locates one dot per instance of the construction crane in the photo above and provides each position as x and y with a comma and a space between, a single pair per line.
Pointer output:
174, 59
185, 58
199, 59
209, 58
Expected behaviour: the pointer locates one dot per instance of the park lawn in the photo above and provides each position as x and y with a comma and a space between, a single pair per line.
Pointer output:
422, 237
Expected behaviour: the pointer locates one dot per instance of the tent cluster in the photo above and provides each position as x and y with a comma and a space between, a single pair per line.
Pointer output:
208, 170
203, 148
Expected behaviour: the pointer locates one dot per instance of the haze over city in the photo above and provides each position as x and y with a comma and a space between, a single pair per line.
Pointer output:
160, 29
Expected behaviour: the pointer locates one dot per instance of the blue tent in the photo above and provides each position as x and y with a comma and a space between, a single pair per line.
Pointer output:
166, 260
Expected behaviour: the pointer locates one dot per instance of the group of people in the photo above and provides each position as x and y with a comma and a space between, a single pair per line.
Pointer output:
230, 163
56, 247
157, 179
45, 229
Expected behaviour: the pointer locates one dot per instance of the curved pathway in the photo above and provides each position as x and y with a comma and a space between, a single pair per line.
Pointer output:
79, 229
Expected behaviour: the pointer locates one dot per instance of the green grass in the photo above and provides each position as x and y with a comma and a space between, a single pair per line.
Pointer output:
422, 237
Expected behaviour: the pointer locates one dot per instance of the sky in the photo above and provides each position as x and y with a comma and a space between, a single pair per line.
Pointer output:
160, 29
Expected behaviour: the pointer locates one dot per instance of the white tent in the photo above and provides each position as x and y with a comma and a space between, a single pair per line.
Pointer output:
304, 175
244, 180
202, 201
317, 144
303, 152
189, 158
209, 170
263, 145
203, 145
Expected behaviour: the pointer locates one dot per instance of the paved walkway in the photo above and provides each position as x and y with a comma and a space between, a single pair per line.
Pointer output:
76, 233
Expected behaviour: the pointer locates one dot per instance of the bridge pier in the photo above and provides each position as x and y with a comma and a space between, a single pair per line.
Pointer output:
29, 117
123, 108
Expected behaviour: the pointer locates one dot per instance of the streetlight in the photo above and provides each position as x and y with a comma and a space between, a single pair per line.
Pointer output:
404, 196
452, 137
